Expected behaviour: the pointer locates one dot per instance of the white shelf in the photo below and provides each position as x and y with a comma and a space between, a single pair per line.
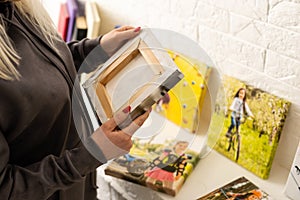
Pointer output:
216, 170
212, 172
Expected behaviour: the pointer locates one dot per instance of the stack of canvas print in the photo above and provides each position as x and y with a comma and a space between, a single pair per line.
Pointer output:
251, 123
166, 149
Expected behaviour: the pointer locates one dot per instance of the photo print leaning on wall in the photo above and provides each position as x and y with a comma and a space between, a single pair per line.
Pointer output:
251, 123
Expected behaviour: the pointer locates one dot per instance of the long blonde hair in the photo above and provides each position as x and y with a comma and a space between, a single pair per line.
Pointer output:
34, 12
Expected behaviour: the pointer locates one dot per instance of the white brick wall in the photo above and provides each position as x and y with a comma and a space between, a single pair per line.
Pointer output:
279, 16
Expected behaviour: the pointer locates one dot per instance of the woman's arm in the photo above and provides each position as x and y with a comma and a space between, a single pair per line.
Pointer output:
81, 49
40, 180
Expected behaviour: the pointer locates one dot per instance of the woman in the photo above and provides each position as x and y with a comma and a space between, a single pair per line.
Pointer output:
41, 154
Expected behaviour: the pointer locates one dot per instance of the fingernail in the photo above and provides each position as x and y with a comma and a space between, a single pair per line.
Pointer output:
148, 109
137, 29
127, 109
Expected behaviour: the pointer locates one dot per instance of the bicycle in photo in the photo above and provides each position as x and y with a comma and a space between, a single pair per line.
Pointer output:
234, 138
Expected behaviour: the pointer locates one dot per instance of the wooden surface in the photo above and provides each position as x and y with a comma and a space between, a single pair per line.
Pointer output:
104, 100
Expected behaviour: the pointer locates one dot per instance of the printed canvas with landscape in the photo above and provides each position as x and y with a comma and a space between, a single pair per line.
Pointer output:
240, 188
247, 125
166, 148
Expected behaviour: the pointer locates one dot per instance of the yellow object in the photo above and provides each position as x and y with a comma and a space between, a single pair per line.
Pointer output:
186, 98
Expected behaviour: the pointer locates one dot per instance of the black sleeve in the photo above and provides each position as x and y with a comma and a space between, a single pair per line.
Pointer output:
40, 180
87, 53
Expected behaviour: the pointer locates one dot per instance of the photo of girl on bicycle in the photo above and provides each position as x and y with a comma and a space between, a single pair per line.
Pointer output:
247, 124
238, 108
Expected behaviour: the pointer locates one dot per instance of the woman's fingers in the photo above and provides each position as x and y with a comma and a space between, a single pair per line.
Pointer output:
117, 119
128, 33
136, 124
114, 39
112, 142
124, 28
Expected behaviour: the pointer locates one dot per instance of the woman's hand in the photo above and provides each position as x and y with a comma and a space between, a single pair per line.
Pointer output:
113, 142
114, 39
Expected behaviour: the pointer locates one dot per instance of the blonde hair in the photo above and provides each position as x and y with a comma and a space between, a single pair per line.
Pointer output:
35, 13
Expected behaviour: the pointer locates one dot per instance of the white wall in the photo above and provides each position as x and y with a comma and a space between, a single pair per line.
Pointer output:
52, 6
257, 41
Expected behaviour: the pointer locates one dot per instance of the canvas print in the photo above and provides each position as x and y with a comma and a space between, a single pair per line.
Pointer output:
292, 187
239, 189
167, 147
251, 122
181, 104
157, 73
162, 162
